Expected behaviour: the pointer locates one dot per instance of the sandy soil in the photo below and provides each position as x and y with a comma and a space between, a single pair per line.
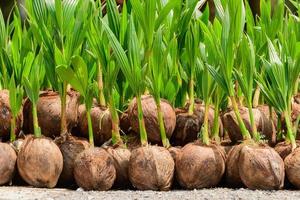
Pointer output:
26, 193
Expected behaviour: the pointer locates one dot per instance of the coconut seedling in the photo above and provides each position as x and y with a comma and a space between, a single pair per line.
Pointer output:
8, 152
240, 169
93, 168
106, 64
57, 111
40, 161
158, 172
200, 164
150, 15
279, 93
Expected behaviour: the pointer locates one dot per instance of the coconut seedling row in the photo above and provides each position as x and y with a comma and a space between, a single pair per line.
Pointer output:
150, 95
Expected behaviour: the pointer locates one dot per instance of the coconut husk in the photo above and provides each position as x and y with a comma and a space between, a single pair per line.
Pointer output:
232, 177
264, 125
296, 112
6, 115
200, 166
292, 167
150, 117
174, 151
226, 145
101, 123
132, 141
284, 149
261, 167
49, 113
188, 126
40, 162
151, 168
121, 157
8, 160
94, 170
70, 148
125, 122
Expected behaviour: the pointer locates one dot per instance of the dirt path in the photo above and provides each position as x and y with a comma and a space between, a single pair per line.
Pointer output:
26, 193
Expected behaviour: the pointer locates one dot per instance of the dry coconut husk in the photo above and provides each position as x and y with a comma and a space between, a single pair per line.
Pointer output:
284, 149
264, 125
70, 147
232, 175
101, 123
49, 113
40, 162
6, 115
151, 168
121, 157
261, 167
150, 117
200, 166
8, 160
125, 122
94, 170
292, 167
188, 126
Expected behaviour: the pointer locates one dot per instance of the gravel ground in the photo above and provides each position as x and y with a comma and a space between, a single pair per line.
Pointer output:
26, 193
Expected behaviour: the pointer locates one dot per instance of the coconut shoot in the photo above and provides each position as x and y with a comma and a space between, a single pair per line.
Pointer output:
15, 101
279, 92
131, 67
79, 79
226, 49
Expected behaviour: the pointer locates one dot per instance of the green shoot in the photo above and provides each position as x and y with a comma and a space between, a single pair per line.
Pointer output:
78, 78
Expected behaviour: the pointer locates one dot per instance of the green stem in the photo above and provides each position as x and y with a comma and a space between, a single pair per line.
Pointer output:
191, 96
63, 102
142, 128
13, 129
36, 128
296, 86
162, 129
253, 125
215, 130
90, 127
100, 86
244, 131
205, 127
115, 132
290, 134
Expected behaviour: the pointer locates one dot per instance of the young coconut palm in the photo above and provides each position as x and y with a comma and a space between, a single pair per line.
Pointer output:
279, 93
57, 111
158, 172
107, 65
9, 156
93, 168
240, 169
40, 161
150, 16
200, 164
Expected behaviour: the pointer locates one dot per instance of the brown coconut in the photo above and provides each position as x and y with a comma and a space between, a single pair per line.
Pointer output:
49, 113
261, 167
151, 168
101, 123
188, 126
8, 160
94, 170
40, 162
70, 148
264, 125
232, 175
121, 157
292, 167
150, 117
200, 166
6, 115
284, 149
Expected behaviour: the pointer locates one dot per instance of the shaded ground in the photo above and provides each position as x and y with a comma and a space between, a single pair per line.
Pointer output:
26, 193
